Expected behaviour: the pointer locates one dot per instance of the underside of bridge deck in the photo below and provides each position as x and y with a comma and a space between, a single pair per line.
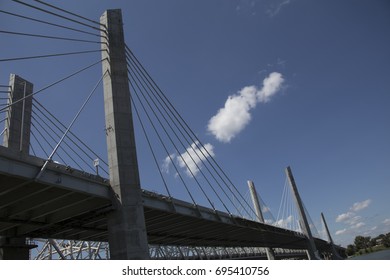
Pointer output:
69, 204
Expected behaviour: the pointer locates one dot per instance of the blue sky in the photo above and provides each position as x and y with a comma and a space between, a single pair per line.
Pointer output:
309, 78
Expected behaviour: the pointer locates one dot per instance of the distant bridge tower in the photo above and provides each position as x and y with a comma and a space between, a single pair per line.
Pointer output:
17, 137
336, 255
126, 225
18, 123
259, 214
312, 250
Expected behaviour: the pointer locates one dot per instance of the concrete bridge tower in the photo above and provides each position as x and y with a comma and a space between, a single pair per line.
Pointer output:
17, 137
311, 250
126, 225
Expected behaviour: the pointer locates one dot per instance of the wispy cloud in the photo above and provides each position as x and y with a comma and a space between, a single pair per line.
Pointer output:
358, 225
342, 231
344, 217
357, 206
246, 7
190, 160
351, 217
193, 157
354, 223
386, 222
166, 163
235, 115
284, 223
277, 6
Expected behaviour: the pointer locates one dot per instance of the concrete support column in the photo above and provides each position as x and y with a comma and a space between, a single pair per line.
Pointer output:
18, 123
312, 250
259, 214
17, 137
15, 248
126, 225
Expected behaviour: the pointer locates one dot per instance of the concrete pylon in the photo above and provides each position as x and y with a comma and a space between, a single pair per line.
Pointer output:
259, 214
17, 137
126, 225
312, 250
18, 123
336, 255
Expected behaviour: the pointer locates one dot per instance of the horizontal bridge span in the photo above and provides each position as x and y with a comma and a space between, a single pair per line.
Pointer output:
70, 204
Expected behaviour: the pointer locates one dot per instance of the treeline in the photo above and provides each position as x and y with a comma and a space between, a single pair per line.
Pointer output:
366, 244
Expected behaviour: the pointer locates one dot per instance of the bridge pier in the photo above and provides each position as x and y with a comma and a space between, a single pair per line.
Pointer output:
126, 225
17, 137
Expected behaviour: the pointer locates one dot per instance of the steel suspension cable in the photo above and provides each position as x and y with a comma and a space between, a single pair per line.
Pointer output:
51, 85
162, 143
151, 148
32, 149
187, 129
57, 15
47, 37
39, 142
48, 55
68, 145
191, 134
281, 203
52, 117
47, 142
70, 13
58, 135
1, 134
54, 140
50, 23
177, 150
184, 146
69, 127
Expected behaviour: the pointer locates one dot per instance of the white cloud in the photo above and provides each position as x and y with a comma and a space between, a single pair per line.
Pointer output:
386, 222
351, 217
358, 225
230, 120
344, 217
339, 232
271, 85
357, 206
276, 9
265, 209
354, 220
166, 163
284, 223
235, 115
192, 158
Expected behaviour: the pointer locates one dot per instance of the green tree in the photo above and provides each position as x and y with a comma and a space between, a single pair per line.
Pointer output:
386, 240
351, 250
362, 242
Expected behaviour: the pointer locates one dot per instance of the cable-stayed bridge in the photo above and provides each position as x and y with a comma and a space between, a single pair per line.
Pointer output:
44, 196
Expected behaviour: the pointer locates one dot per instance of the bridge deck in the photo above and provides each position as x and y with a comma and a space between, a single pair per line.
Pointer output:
69, 204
